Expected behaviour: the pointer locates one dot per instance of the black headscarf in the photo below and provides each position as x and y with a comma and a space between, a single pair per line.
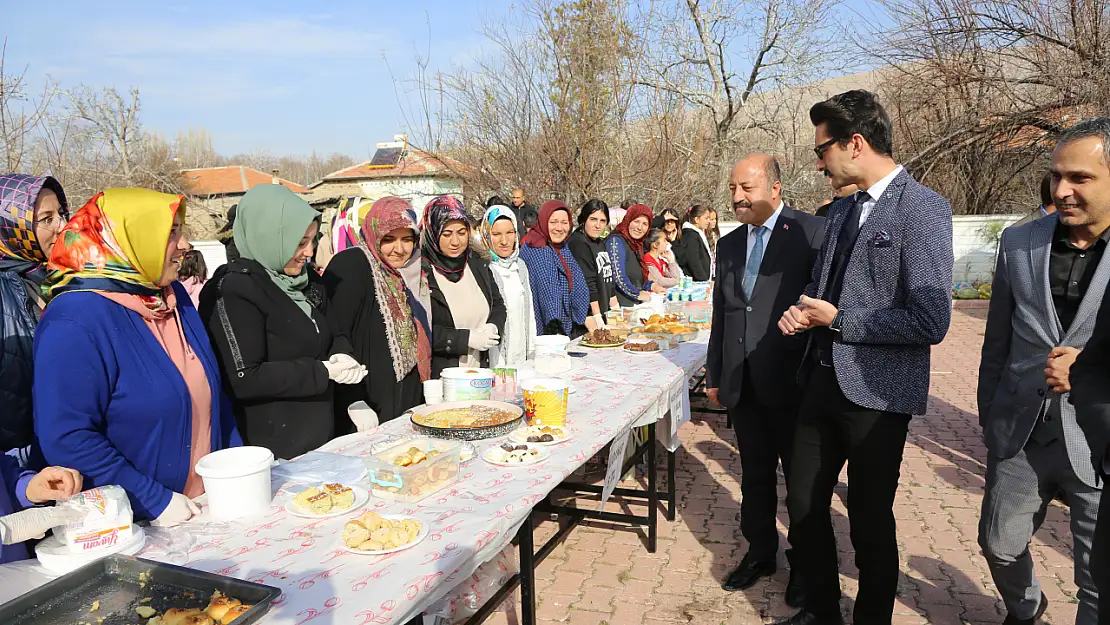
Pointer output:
437, 214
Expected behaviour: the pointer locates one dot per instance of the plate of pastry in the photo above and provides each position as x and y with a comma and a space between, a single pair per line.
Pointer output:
515, 455
374, 534
540, 435
327, 500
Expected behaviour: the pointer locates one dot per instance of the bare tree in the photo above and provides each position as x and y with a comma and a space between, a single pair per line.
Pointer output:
20, 115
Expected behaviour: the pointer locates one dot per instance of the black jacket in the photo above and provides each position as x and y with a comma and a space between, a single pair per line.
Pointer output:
746, 332
352, 299
596, 266
448, 343
693, 258
18, 318
1090, 388
271, 358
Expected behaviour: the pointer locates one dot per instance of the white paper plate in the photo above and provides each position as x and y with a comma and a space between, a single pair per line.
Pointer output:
55, 557
424, 528
543, 455
361, 497
520, 435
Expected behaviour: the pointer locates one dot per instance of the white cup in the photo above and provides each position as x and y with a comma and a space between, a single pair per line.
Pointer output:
433, 392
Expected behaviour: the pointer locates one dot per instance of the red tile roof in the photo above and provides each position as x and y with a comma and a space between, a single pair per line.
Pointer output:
230, 180
413, 162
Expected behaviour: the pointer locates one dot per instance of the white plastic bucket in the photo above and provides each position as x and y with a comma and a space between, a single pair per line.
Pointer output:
237, 481
466, 384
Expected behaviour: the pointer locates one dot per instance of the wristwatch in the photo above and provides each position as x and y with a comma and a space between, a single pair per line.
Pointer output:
835, 325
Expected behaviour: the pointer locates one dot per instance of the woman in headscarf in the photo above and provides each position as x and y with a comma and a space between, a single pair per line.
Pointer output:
559, 290
626, 247
695, 257
468, 314
278, 346
141, 399
32, 212
587, 245
374, 292
518, 339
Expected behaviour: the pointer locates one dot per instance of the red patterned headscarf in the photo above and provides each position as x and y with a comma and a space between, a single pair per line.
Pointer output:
409, 345
538, 235
634, 211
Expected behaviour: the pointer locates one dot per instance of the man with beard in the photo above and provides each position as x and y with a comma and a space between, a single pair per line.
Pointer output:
880, 297
752, 367
1050, 279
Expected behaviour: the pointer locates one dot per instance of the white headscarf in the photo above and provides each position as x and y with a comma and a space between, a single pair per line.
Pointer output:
520, 325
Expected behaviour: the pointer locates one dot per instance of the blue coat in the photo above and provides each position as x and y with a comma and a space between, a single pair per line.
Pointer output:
17, 330
13, 498
111, 404
552, 296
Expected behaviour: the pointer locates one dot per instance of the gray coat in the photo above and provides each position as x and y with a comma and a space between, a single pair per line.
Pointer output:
897, 296
1022, 328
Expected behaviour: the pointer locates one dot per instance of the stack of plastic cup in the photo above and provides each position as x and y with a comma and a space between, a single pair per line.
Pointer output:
433, 392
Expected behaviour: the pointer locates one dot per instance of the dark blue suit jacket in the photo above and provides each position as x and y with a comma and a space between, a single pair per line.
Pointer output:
897, 296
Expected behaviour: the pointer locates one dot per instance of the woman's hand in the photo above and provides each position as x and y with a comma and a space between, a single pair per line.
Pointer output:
54, 484
591, 323
34, 522
614, 304
645, 296
656, 288
179, 510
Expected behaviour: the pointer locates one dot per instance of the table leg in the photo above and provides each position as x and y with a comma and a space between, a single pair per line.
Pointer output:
527, 572
653, 494
671, 496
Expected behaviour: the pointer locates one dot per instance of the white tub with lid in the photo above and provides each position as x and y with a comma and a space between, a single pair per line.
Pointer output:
466, 384
237, 481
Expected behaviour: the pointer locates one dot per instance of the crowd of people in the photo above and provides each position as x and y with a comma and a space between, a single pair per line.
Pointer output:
123, 363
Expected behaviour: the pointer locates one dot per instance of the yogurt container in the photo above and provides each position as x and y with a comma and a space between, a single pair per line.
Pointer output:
466, 384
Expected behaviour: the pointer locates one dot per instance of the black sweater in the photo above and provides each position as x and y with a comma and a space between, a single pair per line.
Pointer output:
596, 265
352, 298
272, 368
448, 342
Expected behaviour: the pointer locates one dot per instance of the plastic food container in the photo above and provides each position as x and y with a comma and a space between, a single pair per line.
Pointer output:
237, 481
466, 384
545, 401
391, 480
551, 354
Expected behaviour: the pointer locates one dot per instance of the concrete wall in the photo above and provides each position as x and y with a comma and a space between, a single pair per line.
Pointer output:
418, 191
973, 252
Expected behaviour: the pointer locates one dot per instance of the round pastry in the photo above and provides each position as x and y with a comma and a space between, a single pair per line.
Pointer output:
178, 616
371, 545
355, 533
234, 613
219, 606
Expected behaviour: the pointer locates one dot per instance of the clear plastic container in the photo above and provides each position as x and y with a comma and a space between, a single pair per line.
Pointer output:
389, 479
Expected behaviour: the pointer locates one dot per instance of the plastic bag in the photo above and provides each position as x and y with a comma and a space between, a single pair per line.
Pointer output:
318, 467
465, 599
169, 544
108, 520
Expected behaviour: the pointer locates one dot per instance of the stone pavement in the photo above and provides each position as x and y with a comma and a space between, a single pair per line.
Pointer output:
600, 576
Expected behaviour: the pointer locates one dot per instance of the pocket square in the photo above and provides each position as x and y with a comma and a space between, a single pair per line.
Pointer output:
881, 239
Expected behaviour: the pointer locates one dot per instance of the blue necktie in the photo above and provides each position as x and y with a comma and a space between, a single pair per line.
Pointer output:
751, 269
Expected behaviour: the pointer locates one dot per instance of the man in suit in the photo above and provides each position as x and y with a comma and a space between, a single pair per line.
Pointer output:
880, 296
1050, 280
752, 367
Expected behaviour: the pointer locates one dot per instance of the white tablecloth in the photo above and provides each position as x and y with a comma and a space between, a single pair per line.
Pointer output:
470, 521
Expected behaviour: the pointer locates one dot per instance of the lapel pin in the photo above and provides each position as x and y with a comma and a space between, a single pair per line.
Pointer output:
785, 226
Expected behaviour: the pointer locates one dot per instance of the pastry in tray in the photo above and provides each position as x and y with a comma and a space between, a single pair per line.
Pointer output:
221, 610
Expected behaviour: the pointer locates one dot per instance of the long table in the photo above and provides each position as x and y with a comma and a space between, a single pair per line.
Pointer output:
470, 522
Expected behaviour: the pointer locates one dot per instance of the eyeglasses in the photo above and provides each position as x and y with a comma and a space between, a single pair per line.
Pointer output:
824, 147
55, 222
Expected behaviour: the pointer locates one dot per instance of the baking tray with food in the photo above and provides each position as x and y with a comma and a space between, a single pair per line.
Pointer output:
124, 590
467, 420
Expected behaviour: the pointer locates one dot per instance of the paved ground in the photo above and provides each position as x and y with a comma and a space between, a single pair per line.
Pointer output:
601, 576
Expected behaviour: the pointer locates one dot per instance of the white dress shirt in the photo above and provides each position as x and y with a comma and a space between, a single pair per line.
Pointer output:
770, 225
874, 193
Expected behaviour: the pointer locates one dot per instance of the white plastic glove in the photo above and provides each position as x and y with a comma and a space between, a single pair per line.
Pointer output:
348, 370
33, 522
363, 416
599, 321
483, 338
180, 509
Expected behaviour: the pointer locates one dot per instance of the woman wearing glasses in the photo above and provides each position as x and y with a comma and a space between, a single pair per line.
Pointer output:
32, 212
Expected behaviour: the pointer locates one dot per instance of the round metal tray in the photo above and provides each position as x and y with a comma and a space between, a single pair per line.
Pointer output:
468, 434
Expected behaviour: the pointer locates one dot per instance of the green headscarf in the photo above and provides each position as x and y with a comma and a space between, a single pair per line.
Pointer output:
269, 224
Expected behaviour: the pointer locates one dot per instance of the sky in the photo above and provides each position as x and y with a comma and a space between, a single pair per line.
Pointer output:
281, 76
287, 77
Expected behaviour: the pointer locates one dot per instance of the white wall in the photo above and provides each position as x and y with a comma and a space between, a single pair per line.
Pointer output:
214, 253
974, 256
418, 191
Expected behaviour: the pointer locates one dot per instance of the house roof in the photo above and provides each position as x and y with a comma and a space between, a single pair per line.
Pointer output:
230, 180
412, 163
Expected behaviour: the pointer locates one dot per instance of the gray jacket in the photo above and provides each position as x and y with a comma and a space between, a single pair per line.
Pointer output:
1022, 328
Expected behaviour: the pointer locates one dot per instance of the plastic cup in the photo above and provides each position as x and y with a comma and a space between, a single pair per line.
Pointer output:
545, 401
433, 392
